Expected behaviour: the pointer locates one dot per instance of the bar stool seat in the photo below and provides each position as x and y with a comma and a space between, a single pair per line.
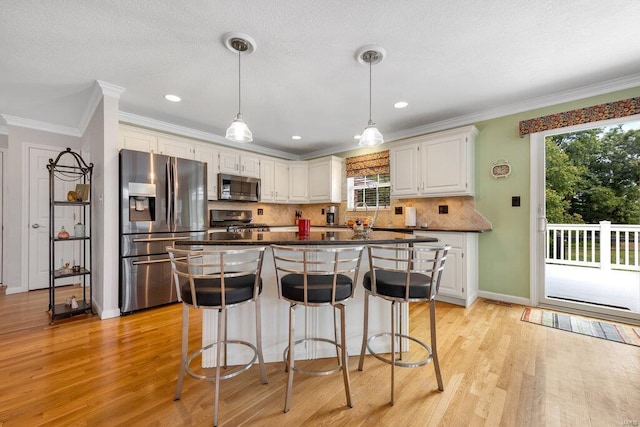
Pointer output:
402, 275
212, 279
314, 277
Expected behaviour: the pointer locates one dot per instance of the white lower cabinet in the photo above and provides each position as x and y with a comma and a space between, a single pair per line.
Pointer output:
459, 282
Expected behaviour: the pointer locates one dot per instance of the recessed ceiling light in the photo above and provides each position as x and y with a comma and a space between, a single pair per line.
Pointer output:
400, 104
356, 136
296, 137
172, 98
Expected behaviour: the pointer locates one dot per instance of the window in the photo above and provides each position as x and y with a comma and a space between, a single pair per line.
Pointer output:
374, 190
368, 180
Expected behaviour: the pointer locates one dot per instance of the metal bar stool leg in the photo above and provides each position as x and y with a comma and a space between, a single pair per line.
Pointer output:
393, 350
365, 332
218, 363
335, 335
292, 343
345, 356
434, 351
183, 355
263, 369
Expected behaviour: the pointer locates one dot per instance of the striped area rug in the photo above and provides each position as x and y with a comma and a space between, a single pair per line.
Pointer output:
625, 334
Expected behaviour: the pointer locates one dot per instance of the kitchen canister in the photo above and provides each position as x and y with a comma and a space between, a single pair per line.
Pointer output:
304, 226
410, 216
78, 230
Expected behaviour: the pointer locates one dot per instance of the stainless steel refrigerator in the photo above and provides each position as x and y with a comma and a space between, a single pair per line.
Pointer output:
162, 199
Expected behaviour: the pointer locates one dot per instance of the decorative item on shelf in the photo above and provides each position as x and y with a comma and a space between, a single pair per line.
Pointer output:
66, 268
63, 234
76, 269
501, 169
72, 196
82, 192
74, 302
78, 230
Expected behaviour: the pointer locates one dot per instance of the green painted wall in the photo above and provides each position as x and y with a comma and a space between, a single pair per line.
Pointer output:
504, 252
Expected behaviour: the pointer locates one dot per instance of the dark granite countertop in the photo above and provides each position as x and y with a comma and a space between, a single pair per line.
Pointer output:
345, 237
403, 229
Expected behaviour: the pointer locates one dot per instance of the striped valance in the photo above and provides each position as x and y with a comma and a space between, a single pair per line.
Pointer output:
596, 113
368, 164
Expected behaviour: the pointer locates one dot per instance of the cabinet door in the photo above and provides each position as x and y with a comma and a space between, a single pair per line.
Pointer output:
138, 141
452, 280
404, 170
444, 166
230, 162
175, 148
281, 181
298, 182
267, 172
249, 166
209, 155
320, 181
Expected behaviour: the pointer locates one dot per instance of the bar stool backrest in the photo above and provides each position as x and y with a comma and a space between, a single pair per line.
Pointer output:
192, 265
406, 262
331, 262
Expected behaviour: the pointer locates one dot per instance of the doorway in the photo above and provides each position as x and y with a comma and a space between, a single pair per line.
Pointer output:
39, 232
570, 263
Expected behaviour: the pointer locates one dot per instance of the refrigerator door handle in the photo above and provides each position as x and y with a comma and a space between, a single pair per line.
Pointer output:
174, 190
157, 261
169, 193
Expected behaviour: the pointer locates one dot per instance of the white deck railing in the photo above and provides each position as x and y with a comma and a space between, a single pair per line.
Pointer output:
602, 245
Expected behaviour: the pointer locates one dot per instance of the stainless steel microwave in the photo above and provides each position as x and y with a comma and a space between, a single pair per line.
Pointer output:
238, 188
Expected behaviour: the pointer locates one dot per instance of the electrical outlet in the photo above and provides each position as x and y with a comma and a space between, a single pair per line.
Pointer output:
322, 211
443, 209
398, 210
515, 201
260, 211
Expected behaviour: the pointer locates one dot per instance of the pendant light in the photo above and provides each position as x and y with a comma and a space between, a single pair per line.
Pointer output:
370, 55
236, 42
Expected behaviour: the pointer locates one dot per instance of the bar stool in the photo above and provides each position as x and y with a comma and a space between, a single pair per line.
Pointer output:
314, 277
217, 280
403, 275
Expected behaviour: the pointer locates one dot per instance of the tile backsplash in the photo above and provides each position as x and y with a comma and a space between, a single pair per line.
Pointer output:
461, 214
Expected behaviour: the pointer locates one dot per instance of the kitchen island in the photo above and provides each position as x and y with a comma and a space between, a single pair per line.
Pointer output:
318, 321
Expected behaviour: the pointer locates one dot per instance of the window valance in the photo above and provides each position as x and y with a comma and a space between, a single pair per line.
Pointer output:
368, 164
610, 110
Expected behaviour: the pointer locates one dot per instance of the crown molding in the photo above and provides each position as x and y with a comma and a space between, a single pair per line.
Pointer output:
109, 89
43, 126
159, 125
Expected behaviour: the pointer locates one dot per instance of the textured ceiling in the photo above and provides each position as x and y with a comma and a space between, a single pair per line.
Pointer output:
449, 59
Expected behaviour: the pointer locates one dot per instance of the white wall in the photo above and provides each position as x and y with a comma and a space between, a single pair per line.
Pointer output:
16, 196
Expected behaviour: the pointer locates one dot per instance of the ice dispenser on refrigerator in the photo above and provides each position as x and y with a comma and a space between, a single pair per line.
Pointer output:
142, 201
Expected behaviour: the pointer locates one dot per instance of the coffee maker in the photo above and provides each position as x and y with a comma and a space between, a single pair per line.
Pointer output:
332, 215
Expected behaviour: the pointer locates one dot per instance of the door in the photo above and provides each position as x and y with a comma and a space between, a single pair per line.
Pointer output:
551, 278
1, 218
39, 232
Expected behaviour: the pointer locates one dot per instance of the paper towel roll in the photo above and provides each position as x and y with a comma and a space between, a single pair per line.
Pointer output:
410, 216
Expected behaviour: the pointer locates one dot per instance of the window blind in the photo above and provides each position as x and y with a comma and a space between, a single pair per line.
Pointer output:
368, 164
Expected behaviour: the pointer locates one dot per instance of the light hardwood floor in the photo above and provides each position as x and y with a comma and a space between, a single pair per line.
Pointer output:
497, 371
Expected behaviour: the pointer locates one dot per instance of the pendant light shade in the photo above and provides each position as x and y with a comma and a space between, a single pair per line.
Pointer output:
239, 131
370, 55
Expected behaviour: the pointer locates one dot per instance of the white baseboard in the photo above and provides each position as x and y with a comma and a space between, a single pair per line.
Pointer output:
15, 290
504, 298
108, 314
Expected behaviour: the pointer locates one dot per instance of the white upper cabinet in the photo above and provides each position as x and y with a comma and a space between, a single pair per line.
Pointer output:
281, 181
175, 147
325, 180
239, 163
267, 190
298, 182
439, 164
132, 139
208, 154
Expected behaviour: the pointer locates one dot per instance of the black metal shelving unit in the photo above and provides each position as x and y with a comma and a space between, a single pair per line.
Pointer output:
71, 168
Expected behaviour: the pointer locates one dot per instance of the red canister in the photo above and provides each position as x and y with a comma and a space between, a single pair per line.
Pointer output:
304, 226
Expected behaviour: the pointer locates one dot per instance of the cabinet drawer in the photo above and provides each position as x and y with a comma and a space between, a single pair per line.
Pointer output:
456, 240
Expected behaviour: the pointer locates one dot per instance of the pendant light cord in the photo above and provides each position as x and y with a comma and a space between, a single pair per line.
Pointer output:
370, 90
239, 83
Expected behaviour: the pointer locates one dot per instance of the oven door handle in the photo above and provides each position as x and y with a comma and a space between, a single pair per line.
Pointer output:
158, 239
